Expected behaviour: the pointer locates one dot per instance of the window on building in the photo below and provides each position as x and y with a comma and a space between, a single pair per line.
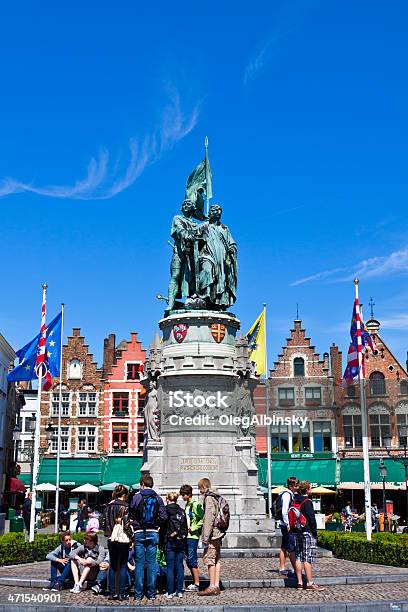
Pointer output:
86, 439
141, 402
322, 436
74, 369
121, 404
120, 437
64, 440
299, 366
404, 387
301, 439
87, 404
64, 404
286, 396
402, 420
140, 437
30, 422
351, 391
132, 371
279, 439
352, 430
377, 383
313, 396
379, 427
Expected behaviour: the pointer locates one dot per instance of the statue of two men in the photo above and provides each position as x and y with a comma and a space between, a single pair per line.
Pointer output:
204, 265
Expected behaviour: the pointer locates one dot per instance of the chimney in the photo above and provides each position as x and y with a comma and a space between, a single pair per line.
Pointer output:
336, 362
407, 361
108, 354
326, 361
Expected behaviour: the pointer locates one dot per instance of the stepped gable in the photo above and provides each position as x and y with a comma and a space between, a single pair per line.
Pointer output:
298, 344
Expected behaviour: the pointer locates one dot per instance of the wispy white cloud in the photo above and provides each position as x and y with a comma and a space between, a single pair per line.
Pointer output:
98, 184
397, 321
374, 267
260, 58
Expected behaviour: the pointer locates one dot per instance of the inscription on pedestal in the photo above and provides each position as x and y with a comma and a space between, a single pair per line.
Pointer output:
199, 464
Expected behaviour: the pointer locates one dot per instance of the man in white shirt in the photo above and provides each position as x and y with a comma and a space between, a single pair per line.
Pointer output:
288, 544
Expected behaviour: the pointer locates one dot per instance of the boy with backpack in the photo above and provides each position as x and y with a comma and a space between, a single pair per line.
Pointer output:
148, 513
175, 546
216, 522
283, 503
302, 522
195, 518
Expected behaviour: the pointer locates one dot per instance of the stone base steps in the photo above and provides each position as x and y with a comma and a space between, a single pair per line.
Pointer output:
260, 553
289, 582
252, 540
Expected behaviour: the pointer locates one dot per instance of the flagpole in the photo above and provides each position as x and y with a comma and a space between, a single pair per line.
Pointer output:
57, 480
364, 422
268, 427
207, 201
37, 422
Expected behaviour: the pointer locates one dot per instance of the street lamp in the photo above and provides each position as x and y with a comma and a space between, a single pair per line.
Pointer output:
383, 474
403, 433
49, 433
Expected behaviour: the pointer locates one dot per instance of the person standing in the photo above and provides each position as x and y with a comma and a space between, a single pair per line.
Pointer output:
175, 545
117, 512
27, 510
148, 512
211, 536
195, 518
302, 522
83, 513
283, 504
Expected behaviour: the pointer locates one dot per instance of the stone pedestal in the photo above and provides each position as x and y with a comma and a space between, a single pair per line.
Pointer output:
205, 383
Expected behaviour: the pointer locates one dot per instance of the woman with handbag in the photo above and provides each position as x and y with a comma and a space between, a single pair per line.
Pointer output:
118, 529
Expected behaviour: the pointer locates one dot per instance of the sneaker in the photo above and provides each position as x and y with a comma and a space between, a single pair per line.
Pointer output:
314, 587
283, 572
193, 588
169, 595
49, 587
179, 595
84, 586
76, 589
56, 587
96, 589
123, 597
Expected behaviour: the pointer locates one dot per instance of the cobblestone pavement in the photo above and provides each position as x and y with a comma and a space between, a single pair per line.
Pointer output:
241, 569
249, 597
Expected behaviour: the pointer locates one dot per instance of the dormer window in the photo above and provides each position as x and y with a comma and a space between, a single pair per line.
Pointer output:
298, 366
132, 371
74, 369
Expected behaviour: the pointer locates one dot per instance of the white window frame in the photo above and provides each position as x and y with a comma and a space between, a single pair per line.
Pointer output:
86, 438
87, 413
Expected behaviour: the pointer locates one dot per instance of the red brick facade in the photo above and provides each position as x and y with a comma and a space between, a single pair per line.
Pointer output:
82, 402
123, 420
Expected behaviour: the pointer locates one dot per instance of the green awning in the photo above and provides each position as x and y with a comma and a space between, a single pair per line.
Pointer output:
125, 470
317, 471
352, 470
26, 478
73, 472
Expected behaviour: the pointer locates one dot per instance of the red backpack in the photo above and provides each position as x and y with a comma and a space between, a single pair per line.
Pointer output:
296, 518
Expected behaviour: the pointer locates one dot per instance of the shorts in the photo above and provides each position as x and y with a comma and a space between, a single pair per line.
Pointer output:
191, 553
288, 540
93, 572
305, 547
212, 552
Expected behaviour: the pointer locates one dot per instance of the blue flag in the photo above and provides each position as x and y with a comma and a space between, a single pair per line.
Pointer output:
28, 354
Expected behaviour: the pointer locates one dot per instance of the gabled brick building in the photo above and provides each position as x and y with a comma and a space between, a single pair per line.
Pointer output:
82, 403
123, 396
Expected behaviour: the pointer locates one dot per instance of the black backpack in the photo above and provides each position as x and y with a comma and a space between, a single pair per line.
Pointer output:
177, 525
147, 511
278, 504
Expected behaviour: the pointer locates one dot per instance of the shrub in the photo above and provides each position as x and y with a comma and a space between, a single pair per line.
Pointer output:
384, 548
15, 550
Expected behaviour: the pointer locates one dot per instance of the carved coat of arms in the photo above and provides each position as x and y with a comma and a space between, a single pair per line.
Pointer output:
218, 332
180, 332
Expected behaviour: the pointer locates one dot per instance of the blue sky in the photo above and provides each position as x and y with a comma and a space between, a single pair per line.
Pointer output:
103, 113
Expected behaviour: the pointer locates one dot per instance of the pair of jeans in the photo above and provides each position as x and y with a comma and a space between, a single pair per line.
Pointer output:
118, 556
175, 568
145, 553
102, 579
64, 570
191, 554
